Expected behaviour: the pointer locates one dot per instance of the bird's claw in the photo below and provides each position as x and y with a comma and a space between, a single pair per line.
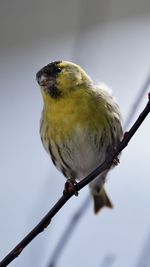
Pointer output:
71, 186
116, 161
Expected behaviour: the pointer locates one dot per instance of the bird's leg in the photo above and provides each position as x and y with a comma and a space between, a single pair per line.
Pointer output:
71, 186
116, 160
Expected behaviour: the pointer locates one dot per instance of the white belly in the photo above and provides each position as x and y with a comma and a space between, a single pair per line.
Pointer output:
80, 155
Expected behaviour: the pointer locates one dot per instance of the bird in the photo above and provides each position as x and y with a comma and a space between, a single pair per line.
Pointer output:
80, 124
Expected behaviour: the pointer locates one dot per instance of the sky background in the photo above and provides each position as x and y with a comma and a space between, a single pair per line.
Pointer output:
110, 39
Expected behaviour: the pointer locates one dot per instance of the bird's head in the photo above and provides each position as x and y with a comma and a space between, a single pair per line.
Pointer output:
60, 78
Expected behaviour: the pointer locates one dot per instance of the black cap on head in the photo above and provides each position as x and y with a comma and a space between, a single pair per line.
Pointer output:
51, 69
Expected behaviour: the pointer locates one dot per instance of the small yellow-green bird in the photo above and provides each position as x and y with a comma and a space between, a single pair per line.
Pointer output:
80, 124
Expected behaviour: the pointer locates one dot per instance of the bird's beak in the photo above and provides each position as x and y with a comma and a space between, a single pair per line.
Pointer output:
46, 82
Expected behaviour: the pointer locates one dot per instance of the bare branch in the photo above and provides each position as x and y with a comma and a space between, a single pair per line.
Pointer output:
65, 197
135, 105
144, 257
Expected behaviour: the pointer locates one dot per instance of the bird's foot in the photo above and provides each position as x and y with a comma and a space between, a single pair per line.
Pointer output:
71, 186
116, 161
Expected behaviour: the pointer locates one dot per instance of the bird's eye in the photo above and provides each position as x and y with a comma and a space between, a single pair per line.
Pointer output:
58, 70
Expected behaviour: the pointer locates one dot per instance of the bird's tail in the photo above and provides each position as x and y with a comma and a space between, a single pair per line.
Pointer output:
101, 200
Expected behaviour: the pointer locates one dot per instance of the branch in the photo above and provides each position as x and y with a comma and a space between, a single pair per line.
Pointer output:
144, 258
65, 197
135, 105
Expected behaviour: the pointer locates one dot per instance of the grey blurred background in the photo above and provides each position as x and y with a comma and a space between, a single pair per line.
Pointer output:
111, 40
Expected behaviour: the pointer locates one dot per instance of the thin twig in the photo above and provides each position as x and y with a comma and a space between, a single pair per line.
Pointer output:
135, 105
144, 258
65, 197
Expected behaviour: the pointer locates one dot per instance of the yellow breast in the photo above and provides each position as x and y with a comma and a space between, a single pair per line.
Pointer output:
63, 117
